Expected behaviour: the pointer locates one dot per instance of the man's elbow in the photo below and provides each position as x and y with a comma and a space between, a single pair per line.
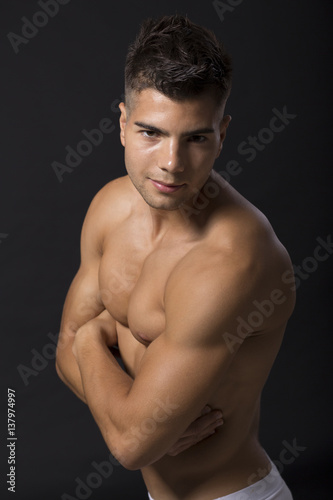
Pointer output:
63, 361
60, 366
58, 370
131, 452
129, 460
126, 460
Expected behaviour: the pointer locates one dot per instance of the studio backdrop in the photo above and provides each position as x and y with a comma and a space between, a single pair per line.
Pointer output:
62, 79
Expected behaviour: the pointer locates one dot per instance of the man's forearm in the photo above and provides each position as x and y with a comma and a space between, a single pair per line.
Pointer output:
66, 364
105, 385
68, 371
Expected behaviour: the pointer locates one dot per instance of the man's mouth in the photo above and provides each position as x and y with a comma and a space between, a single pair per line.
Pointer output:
163, 187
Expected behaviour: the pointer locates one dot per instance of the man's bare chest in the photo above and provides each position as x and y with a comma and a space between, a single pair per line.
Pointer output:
132, 284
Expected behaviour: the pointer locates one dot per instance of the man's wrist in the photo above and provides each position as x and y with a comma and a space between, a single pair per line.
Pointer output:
86, 337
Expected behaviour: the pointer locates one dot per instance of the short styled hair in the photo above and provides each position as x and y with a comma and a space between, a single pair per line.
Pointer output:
179, 59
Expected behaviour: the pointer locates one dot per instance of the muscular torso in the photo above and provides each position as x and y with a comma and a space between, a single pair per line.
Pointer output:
133, 273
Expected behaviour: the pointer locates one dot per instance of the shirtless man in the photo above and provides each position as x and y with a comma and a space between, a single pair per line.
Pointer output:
184, 276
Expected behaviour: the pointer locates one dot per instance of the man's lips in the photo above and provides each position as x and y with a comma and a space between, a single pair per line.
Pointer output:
166, 188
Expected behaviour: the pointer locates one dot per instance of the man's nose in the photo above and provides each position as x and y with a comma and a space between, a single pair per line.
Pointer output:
171, 158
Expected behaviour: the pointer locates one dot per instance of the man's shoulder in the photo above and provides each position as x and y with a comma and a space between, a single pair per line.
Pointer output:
114, 192
235, 224
242, 231
240, 247
112, 202
239, 262
108, 209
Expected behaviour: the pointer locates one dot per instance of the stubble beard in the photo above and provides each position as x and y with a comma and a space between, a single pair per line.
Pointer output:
169, 204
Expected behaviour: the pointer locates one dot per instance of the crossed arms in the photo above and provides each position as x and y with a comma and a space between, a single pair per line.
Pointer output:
180, 370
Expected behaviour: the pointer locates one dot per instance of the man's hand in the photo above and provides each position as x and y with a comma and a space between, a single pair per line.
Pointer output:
103, 325
203, 427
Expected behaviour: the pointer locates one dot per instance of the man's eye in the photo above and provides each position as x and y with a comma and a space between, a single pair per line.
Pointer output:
148, 133
198, 138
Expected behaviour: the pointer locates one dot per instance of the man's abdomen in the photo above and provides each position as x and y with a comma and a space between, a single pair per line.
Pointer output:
210, 469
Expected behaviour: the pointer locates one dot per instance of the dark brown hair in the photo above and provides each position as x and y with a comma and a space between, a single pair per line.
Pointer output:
179, 59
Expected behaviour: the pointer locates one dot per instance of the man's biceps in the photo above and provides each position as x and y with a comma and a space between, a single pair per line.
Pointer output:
172, 373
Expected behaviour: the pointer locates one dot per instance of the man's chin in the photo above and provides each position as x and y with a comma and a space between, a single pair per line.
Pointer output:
169, 206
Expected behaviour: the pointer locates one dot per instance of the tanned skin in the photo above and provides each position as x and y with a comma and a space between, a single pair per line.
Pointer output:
173, 260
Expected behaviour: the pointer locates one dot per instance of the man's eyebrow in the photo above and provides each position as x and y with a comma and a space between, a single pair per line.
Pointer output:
204, 130
151, 127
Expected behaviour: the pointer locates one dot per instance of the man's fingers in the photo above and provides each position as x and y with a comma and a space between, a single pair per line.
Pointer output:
203, 422
205, 410
203, 427
187, 442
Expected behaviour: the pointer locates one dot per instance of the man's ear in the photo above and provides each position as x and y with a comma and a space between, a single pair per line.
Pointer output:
122, 122
223, 131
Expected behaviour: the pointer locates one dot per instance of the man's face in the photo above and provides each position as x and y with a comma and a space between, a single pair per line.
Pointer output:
171, 146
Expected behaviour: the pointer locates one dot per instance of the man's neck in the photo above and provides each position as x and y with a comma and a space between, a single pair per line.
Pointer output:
163, 221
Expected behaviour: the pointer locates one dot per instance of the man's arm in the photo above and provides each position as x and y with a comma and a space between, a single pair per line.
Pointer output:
82, 301
180, 370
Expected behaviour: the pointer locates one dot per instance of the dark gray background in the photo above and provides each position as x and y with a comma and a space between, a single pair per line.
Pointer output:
67, 78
